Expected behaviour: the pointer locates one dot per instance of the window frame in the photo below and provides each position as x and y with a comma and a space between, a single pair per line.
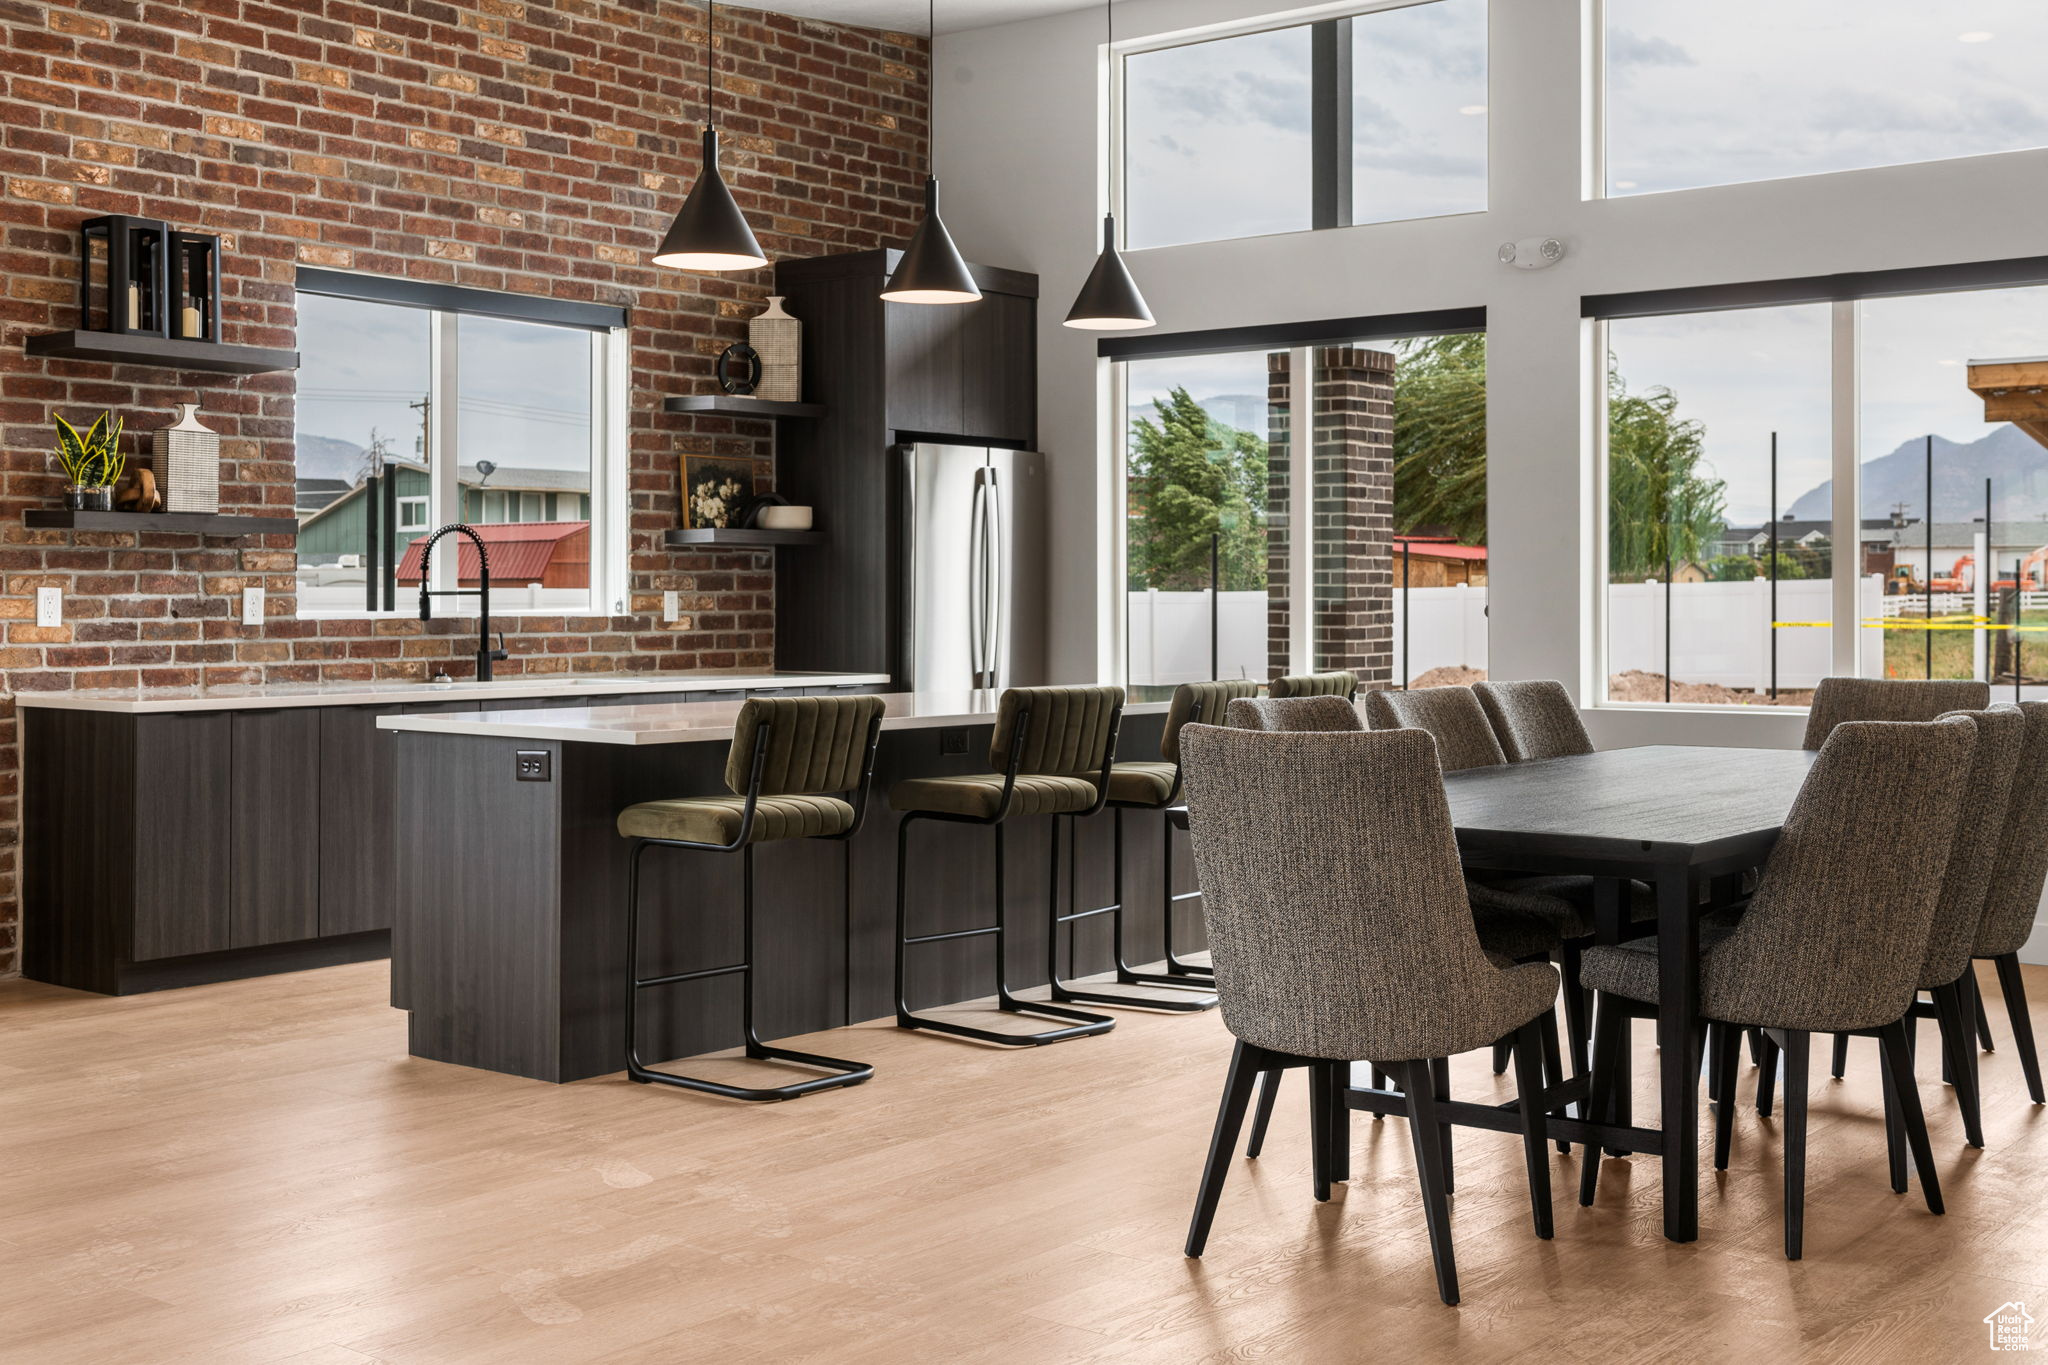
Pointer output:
1330, 108
609, 396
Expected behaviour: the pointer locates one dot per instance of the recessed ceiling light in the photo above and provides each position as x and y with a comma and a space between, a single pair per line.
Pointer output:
1471, 108
1975, 36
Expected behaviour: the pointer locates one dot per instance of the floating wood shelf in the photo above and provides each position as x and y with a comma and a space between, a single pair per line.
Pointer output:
176, 353
741, 405
737, 538
187, 523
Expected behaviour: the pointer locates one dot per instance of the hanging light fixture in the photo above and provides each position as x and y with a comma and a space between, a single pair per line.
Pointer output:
710, 232
931, 270
1109, 300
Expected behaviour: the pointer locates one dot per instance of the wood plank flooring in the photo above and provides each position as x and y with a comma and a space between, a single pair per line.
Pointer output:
256, 1171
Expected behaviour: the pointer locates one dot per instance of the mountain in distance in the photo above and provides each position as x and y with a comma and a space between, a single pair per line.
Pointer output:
2015, 463
329, 457
1245, 411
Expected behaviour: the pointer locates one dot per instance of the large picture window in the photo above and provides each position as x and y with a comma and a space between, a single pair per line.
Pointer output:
411, 417
1739, 90
1370, 118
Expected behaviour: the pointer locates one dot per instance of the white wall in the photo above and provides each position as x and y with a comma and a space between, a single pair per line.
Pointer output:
1020, 150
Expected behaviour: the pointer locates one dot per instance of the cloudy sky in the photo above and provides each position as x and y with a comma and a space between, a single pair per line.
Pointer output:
1711, 92
1217, 133
525, 389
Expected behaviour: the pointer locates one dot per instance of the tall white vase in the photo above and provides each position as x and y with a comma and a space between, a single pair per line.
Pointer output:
186, 458
778, 339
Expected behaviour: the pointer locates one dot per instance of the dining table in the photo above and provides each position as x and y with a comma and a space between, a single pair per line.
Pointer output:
1687, 821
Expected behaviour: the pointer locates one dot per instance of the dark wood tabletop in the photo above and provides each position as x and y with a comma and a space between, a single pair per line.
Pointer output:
1624, 809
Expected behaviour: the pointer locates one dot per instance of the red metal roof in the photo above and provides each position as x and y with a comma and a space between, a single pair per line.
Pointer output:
520, 551
1435, 547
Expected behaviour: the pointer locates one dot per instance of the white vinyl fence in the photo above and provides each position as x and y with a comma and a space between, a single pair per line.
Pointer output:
1720, 633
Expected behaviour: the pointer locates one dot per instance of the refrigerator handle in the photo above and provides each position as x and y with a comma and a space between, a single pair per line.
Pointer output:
977, 564
993, 580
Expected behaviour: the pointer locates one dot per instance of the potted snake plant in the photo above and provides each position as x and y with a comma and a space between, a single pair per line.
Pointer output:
92, 463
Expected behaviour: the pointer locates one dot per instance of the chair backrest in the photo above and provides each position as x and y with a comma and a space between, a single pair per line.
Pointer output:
1836, 934
1980, 828
815, 744
1533, 720
1452, 715
1070, 730
1912, 699
1314, 685
1337, 915
1292, 713
1211, 698
2022, 865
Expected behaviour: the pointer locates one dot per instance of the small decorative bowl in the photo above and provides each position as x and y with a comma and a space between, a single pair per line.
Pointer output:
784, 519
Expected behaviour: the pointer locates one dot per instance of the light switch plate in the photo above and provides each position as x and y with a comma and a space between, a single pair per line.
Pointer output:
252, 606
671, 607
49, 606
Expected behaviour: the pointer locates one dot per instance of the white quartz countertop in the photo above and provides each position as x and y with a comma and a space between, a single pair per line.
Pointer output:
695, 722
136, 701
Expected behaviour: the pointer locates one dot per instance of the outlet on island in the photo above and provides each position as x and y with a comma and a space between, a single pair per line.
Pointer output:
952, 741
533, 765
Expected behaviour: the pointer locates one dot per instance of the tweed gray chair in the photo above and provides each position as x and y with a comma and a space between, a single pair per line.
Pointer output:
1835, 938
1321, 713
2015, 893
1965, 890
1340, 932
1334, 684
1533, 720
1840, 699
1453, 715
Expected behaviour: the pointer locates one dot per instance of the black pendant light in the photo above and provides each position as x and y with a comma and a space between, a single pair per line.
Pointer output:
1109, 301
931, 270
710, 232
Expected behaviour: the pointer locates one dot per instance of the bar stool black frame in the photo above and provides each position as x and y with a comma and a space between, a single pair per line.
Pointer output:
1081, 1024
1127, 975
845, 1072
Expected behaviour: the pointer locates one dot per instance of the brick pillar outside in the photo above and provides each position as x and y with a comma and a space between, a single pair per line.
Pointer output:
1353, 509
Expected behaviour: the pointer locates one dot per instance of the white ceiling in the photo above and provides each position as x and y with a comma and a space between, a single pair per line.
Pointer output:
908, 16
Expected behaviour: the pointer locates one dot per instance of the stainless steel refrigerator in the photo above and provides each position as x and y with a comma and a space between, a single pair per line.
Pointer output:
971, 566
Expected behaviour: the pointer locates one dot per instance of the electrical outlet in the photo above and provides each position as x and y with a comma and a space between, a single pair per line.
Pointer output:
533, 765
952, 741
252, 606
671, 607
49, 606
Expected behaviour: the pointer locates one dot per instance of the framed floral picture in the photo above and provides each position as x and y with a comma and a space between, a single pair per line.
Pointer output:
716, 491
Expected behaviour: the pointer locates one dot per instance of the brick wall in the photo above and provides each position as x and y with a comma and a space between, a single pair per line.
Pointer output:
536, 147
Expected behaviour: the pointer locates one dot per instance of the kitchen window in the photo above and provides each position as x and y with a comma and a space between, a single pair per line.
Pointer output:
1741, 90
1377, 116
421, 406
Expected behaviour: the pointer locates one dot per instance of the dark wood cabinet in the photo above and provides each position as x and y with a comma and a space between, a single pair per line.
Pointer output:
273, 798
885, 373
182, 855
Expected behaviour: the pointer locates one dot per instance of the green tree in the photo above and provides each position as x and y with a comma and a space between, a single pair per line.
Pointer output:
1662, 507
1191, 478
1440, 437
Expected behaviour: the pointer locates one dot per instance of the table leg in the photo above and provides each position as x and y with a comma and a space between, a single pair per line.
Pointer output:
1678, 1007
1610, 925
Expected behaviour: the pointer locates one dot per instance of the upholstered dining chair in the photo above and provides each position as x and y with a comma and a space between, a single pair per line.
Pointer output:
1840, 699
1316, 713
1533, 720
1332, 684
1965, 890
1340, 933
1834, 940
2015, 893
1453, 715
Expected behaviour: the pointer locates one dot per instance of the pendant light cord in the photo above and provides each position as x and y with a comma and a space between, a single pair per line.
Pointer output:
710, 67
931, 83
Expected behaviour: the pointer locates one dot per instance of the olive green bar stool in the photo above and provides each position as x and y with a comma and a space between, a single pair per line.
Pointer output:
1053, 748
793, 763
1338, 684
1156, 786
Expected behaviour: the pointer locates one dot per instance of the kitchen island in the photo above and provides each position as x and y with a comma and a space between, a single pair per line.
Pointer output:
174, 836
509, 943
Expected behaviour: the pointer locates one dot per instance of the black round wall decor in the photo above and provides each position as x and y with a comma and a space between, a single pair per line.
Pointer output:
739, 368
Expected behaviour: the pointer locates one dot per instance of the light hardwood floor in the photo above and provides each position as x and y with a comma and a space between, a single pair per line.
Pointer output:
257, 1172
